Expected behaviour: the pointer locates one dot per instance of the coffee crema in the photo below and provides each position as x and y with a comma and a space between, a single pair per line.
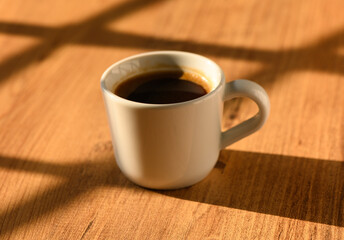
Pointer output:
163, 87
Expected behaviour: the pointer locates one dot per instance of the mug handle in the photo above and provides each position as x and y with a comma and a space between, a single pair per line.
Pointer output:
246, 88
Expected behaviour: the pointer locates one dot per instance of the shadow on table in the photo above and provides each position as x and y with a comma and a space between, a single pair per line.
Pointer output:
292, 187
76, 180
93, 31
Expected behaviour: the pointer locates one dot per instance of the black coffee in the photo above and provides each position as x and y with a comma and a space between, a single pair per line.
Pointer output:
163, 87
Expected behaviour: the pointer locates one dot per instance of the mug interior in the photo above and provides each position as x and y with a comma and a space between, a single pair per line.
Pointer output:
161, 61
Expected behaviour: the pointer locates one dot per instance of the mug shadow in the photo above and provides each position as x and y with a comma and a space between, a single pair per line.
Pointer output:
293, 187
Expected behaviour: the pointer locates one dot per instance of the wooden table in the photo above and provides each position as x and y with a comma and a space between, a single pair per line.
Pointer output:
58, 176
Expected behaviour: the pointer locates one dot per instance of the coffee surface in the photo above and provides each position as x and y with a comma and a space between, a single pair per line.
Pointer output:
163, 87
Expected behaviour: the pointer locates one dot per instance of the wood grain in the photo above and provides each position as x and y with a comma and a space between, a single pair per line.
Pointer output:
58, 176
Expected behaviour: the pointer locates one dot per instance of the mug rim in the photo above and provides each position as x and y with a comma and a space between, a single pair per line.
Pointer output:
157, 105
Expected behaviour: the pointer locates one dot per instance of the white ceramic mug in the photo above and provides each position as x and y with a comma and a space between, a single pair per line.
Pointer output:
168, 146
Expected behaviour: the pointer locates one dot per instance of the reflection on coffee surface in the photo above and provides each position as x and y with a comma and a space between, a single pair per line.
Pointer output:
163, 87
